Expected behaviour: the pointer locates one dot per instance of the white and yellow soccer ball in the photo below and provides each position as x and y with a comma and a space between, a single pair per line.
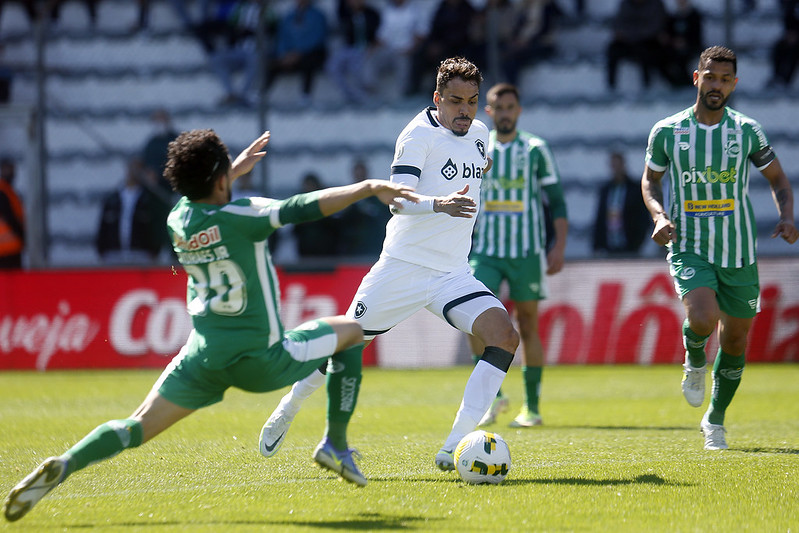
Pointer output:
482, 457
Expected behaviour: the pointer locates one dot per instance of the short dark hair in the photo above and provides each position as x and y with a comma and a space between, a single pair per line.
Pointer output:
195, 159
500, 89
457, 67
718, 53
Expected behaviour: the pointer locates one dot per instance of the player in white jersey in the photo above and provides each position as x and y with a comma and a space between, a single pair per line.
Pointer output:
237, 339
710, 229
424, 263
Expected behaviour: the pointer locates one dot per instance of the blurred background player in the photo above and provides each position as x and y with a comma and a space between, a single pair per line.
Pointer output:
510, 237
710, 228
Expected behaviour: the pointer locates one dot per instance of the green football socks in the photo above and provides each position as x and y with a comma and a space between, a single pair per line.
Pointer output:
531, 376
727, 372
104, 442
343, 384
694, 346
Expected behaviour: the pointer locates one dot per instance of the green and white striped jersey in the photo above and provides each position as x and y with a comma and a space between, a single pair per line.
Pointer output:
511, 223
233, 294
708, 168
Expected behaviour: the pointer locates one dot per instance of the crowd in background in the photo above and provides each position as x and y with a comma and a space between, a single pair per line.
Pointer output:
365, 48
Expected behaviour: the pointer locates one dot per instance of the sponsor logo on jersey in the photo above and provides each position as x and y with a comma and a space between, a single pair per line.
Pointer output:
201, 239
681, 131
504, 206
687, 273
360, 309
684, 146
449, 170
481, 147
709, 208
708, 175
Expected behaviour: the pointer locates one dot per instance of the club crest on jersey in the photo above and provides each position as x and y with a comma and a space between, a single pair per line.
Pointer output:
360, 309
481, 147
449, 170
732, 148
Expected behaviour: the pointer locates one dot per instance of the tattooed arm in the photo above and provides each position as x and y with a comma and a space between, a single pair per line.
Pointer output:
783, 198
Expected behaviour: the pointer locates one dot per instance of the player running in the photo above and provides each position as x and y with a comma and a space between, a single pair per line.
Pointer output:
710, 228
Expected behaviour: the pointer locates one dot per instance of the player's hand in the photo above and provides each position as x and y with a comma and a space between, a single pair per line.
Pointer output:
555, 260
250, 155
391, 193
488, 165
664, 232
787, 230
456, 204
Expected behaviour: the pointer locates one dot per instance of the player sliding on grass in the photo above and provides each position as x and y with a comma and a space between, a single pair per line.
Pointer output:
237, 338
424, 263
710, 229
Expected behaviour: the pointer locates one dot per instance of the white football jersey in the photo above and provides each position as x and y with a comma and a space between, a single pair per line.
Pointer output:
443, 163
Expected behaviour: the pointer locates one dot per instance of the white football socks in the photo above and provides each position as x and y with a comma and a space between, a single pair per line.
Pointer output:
480, 391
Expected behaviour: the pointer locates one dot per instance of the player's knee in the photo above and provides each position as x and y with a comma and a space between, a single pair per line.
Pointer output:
505, 337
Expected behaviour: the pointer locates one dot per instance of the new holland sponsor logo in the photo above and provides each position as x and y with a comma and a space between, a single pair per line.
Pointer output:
708, 175
709, 208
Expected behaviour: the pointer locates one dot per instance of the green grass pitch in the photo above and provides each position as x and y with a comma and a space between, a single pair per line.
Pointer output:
620, 451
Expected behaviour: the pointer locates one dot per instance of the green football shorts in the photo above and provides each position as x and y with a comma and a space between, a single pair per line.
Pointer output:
526, 275
737, 289
188, 383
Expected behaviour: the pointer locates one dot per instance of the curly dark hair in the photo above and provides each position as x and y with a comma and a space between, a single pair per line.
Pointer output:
720, 54
195, 160
457, 67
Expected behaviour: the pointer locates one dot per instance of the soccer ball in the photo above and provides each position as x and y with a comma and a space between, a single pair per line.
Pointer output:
482, 457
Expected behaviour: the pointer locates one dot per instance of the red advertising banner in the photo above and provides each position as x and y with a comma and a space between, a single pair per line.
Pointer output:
598, 312
130, 318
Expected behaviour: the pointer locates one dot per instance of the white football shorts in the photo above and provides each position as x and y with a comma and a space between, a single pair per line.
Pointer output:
393, 290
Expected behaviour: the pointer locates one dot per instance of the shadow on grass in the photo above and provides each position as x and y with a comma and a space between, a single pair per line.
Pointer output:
365, 521
789, 451
628, 428
647, 479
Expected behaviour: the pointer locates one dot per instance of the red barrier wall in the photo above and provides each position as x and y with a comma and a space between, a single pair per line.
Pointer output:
599, 312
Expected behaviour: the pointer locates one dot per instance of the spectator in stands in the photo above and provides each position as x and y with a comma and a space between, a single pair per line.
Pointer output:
301, 46
682, 44
785, 52
12, 218
533, 39
362, 228
228, 38
6, 78
132, 227
50, 10
318, 238
452, 33
401, 33
358, 23
622, 221
155, 148
638, 29
190, 23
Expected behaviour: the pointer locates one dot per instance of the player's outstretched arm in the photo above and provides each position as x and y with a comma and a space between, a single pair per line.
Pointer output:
783, 198
334, 199
250, 156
